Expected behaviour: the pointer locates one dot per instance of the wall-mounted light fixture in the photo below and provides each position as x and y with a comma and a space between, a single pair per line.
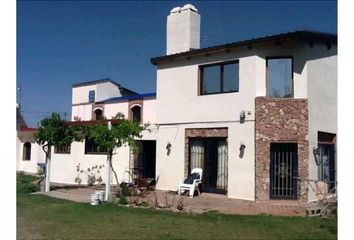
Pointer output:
242, 149
242, 116
168, 148
316, 154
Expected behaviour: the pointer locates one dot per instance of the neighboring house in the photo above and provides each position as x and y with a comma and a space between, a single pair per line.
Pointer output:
249, 113
100, 99
29, 153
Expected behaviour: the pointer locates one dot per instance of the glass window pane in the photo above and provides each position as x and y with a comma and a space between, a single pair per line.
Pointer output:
211, 80
91, 96
231, 77
279, 77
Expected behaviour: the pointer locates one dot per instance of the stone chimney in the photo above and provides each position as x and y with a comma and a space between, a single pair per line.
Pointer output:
183, 29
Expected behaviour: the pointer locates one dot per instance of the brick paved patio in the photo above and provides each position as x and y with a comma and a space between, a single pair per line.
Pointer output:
199, 204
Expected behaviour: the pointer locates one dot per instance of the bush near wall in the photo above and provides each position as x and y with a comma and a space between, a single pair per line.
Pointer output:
25, 183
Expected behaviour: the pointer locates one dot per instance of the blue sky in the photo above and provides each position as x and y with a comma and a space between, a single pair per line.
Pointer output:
64, 42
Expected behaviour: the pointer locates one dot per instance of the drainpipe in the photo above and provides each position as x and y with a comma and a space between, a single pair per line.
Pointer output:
47, 171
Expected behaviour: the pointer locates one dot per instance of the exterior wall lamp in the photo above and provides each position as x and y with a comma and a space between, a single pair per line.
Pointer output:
316, 154
168, 148
242, 149
242, 116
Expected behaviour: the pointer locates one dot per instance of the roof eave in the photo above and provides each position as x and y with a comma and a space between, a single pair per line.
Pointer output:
301, 35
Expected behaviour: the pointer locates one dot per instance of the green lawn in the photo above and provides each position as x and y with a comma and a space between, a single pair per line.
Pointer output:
44, 217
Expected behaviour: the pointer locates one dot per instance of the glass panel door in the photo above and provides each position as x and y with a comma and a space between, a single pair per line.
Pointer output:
210, 154
327, 165
221, 181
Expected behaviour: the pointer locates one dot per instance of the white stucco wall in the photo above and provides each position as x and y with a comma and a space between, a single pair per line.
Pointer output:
170, 168
179, 106
322, 98
84, 112
37, 154
63, 166
107, 90
81, 94
103, 91
111, 109
149, 111
177, 84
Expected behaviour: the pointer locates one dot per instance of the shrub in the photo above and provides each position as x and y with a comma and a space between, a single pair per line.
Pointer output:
27, 187
123, 200
23, 178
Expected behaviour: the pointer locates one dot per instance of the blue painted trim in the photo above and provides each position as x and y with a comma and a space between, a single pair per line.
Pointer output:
129, 97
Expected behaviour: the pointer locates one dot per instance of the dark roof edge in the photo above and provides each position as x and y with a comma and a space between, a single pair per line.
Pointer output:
96, 82
303, 35
130, 92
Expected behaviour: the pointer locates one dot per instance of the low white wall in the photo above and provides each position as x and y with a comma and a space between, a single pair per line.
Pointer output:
63, 166
37, 155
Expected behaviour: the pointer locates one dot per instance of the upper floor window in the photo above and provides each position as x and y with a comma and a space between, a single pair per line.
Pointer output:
92, 148
92, 96
280, 77
62, 149
26, 154
98, 114
136, 111
219, 78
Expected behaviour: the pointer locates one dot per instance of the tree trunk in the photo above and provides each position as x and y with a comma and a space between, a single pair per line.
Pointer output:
115, 173
47, 170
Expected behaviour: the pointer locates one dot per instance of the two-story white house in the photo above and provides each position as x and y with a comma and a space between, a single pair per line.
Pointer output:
259, 116
250, 113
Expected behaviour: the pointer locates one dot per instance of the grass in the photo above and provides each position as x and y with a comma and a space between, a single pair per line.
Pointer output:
44, 217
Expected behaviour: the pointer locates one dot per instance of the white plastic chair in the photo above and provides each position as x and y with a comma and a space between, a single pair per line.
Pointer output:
191, 187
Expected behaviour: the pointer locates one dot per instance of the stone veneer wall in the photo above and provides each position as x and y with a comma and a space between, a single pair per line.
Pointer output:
280, 120
200, 132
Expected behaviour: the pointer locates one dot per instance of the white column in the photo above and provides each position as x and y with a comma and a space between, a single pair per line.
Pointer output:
47, 171
108, 179
108, 171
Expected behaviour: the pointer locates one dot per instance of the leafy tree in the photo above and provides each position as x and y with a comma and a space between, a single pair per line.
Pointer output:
54, 132
117, 133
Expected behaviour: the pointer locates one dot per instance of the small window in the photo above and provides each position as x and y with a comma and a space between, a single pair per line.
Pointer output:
136, 110
26, 155
98, 114
92, 96
62, 149
219, 78
279, 77
92, 148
